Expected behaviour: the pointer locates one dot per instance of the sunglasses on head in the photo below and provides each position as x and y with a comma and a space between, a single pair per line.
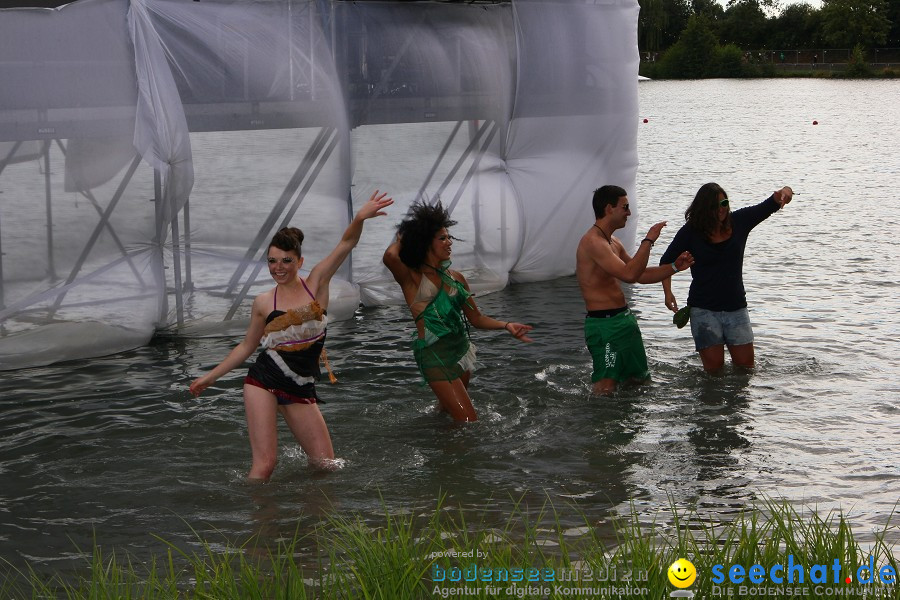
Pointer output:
286, 260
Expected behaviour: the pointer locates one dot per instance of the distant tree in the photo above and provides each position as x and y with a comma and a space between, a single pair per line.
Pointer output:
699, 46
730, 62
651, 23
893, 15
661, 22
769, 5
744, 24
710, 9
857, 66
846, 23
815, 30
796, 27
694, 55
678, 11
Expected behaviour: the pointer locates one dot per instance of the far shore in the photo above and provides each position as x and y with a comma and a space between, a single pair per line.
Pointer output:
798, 70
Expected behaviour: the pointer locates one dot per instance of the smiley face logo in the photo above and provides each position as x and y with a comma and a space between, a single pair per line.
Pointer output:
682, 573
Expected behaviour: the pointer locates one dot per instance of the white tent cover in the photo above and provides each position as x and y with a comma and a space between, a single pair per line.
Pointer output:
149, 149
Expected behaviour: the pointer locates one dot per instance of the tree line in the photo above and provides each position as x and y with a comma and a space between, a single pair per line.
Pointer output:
702, 38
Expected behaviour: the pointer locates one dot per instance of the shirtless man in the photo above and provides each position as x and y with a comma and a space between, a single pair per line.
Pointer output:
610, 328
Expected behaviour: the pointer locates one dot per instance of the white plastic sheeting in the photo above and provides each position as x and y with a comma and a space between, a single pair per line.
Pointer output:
149, 149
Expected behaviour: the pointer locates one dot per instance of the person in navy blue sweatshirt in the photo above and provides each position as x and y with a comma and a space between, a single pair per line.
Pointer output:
716, 238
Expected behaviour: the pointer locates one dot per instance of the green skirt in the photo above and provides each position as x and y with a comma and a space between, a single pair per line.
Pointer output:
444, 359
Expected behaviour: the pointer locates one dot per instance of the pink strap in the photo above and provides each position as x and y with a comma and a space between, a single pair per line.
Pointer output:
307, 289
275, 296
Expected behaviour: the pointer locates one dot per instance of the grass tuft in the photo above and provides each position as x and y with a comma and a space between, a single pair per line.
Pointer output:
454, 553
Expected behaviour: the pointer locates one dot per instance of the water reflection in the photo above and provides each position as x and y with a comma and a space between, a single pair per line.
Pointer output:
723, 405
610, 454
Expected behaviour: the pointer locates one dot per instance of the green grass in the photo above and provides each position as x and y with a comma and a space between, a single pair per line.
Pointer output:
400, 556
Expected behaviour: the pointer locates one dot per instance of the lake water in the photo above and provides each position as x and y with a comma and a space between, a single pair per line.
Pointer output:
116, 449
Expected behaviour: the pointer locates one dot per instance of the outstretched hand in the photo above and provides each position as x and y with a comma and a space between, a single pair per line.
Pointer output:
784, 196
200, 384
653, 234
519, 331
375, 205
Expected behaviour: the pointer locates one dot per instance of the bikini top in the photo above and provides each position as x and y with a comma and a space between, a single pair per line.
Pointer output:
297, 329
428, 290
442, 315
425, 294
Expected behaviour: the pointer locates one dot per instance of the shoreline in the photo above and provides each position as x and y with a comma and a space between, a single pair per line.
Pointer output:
730, 63
405, 556
835, 71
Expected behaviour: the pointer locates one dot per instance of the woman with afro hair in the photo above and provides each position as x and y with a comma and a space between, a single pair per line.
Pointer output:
441, 304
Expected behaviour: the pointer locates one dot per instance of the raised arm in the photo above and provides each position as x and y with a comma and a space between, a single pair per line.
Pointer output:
322, 273
783, 196
618, 263
482, 321
752, 216
391, 260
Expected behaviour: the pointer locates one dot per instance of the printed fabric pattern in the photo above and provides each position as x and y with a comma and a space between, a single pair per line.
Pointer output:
445, 353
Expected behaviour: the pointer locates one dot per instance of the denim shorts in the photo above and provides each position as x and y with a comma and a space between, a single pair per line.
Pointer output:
719, 327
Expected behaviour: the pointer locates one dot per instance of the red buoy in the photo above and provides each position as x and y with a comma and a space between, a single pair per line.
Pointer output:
646, 121
815, 122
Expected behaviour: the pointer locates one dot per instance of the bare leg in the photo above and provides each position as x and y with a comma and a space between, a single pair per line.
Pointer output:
742, 355
454, 399
604, 387
713, 358
260, 407
465, 377
308, 426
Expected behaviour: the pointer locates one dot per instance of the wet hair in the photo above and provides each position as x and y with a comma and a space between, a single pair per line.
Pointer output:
703, 213
608, 195
423, 221
288, 239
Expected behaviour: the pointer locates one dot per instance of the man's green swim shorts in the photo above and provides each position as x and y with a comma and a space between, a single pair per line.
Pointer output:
617, 347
